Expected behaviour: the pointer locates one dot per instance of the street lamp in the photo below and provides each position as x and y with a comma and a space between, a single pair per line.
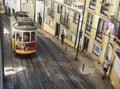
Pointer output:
80, 31
80, 36
34, 10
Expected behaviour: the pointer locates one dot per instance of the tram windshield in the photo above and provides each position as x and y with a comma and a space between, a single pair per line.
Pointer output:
33, 36
19, 36
26, 36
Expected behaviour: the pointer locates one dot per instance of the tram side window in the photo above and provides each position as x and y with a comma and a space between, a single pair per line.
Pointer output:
26, 36
33, 36
18, 36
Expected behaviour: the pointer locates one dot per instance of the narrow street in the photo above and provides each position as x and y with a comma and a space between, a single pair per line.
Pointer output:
48, 68
60, 44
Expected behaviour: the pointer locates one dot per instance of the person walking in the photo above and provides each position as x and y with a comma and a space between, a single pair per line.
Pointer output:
106, 65
62, 38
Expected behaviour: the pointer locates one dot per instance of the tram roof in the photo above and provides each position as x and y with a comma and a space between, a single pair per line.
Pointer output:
24, 27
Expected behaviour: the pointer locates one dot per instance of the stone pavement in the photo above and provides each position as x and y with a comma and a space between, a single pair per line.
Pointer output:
90, 69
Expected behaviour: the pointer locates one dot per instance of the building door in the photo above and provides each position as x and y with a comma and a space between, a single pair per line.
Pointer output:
57, 30
85, 45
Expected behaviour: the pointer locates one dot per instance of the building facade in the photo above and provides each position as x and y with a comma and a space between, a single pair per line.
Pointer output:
63, 16
99, 42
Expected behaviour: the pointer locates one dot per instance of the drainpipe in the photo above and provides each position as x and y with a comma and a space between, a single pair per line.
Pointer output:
20, 5
43, 17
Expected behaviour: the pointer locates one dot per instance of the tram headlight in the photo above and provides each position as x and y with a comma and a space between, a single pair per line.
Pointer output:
25, 49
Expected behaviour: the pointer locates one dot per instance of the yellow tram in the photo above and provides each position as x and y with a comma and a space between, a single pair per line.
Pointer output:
24, 34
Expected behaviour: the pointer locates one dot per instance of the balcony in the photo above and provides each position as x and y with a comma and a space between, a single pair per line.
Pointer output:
92, 5
51, 12
88, 29
65, 21
67, 2
117, 23
104, 8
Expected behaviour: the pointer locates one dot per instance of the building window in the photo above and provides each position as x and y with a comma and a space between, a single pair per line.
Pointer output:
96, 49
59, 9
105, 7
75, 18
92, 4
100, 29
51, 10
89, 23
65, 18
50, 23
68, 2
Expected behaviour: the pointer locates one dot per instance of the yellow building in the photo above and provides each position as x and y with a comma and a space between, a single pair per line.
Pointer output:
100, 46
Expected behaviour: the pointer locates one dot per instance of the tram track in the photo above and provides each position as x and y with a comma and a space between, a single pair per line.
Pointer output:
63, 84
66, 72
20, 79
61, 73
30, 77
42, 71
71, 74
33, 75
68, 84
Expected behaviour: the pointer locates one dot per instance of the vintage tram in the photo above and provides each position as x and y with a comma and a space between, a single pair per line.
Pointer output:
24, 34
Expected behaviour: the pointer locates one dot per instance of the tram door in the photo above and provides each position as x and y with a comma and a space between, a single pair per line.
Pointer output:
57, 30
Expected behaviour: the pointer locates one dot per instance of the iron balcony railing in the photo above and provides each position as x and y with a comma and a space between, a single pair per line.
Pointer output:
104, 8
51, 12
65, 21
88, 29
92, 5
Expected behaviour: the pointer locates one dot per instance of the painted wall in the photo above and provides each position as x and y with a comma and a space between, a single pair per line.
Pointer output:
115, 73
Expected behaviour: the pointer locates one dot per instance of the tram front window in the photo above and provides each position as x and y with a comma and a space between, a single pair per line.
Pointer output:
26, 37
18, 36
33, 36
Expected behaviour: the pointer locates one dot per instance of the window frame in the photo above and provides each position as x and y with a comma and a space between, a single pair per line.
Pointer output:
100, 29
89, 23
76, 18
92, 4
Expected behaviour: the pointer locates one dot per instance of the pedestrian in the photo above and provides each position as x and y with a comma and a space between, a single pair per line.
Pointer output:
62, 38
106, 65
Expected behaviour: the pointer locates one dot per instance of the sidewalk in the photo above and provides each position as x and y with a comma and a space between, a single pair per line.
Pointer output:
87, 67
